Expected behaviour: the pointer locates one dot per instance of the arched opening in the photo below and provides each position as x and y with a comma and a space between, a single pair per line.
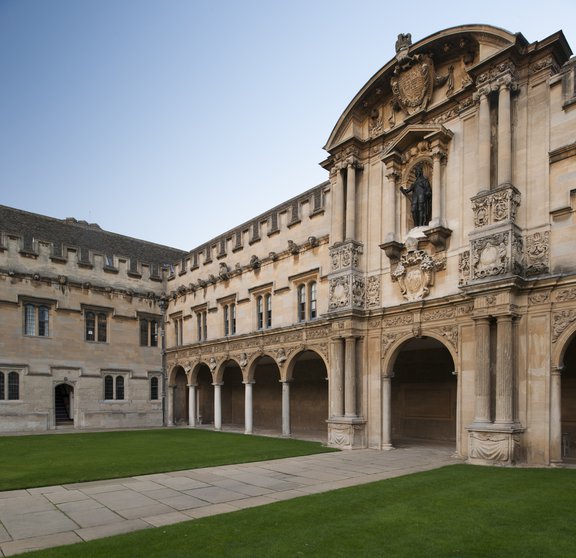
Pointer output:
205, 395
232, 395
267, 396
424, 389
180, 397
568, 402
64, 404
309, 396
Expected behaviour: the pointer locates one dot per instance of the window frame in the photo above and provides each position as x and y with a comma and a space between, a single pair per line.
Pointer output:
114, 384
10, 391
148, 329
96, 324
36, 318
154, 384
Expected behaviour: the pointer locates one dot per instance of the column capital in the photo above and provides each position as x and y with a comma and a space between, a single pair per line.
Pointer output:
556, 370
191, 385
217, 384
249, 382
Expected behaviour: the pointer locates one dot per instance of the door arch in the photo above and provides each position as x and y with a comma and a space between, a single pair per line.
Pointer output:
423, 393
568, 402
308, 377
63, 404
180, 397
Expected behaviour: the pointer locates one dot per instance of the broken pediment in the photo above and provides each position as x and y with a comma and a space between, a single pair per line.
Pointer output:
419, 78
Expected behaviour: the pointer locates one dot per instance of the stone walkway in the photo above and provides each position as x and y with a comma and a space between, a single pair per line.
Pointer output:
58, 515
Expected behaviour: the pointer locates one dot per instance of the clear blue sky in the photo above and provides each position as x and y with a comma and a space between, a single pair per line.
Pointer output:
174, 121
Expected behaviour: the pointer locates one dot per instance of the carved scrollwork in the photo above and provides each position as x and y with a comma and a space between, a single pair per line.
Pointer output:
345, 256
464, 267
537, 254
495, 206
398, 320
560, 321
490, 255
495, 447
566, 295
438, 314
415, 274
339, 293
373, 292
450, 333
387, 340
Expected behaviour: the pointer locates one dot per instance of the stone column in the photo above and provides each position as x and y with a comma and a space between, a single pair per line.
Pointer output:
192, 414
484, 141
504, 371
248, 408
482, 379
217, 406
387, 411
350, 378
436, 220
171, 389
504, 134
285, 408
351, 202
555, 414
338, 210
337, 379
390, 225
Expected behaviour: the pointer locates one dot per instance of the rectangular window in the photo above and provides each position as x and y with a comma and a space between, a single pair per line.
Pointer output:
260, 312
154, 392
313, 300
178, 332
201, 325
233, 319
96, 326
113, 387
268, 299
148, 332
226, 321
302, 303
36, 320
9, 386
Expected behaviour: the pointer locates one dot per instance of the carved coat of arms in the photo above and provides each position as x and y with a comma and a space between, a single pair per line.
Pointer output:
413, 80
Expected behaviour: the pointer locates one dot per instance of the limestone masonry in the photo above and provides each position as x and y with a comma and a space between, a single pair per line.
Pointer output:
425, 292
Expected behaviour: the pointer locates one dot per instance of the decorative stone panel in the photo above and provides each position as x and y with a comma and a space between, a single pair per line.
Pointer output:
493, 447
496, 206
415, 274
537, 254
347, 434
496, 254
345, 256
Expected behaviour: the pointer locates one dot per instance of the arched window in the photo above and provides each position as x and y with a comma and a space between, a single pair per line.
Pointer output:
154, 388
108, 387
13, 385
119, 387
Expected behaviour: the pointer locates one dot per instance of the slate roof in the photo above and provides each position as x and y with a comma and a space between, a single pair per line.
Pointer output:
83, 236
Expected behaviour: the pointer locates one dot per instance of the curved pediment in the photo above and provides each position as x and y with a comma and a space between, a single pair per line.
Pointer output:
421, 76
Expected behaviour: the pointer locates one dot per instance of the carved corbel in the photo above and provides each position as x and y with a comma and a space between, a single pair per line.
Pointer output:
393, 250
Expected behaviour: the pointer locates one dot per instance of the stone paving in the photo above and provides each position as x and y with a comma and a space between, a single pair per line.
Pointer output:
57, 515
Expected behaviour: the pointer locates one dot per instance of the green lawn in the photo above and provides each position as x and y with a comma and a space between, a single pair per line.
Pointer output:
29, 461
460, 510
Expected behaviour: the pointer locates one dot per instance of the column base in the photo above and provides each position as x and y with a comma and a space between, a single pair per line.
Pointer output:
495, 444
347, 432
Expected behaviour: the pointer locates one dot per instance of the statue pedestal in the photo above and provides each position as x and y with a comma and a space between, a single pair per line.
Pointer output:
347, 432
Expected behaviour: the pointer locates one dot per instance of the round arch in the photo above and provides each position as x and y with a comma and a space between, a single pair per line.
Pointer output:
64, 407
178, 388
307, 374
265, 374
230, 377
423, 391
563, 398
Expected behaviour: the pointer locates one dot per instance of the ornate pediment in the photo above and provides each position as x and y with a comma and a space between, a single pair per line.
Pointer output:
417, 136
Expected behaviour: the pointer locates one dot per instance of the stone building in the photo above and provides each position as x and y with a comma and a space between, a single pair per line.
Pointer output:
426, 292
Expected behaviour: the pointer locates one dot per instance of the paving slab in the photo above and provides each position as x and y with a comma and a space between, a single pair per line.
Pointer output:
17, 547
92, 533
166, 519
37, 524
64, 496
95, 517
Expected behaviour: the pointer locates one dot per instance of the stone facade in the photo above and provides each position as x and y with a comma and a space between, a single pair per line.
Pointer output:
425, 291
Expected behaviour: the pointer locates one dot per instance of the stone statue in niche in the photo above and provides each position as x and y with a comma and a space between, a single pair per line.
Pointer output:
421, 198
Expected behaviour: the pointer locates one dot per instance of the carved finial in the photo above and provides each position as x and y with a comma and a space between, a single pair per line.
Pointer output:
404, 41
